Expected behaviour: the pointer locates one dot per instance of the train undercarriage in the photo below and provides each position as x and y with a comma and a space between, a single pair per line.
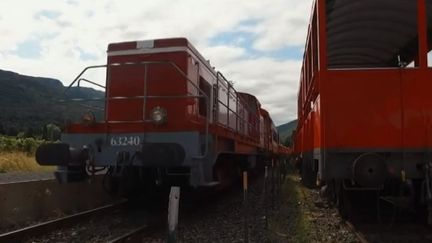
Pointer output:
130, 175
402, 184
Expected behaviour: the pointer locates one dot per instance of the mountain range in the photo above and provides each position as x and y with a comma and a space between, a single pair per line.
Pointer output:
285, 131
32, 102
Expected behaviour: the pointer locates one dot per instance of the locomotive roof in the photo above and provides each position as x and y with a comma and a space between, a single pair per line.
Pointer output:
250, 97
153, 43
264, 112
122, 48
372, 33
169, 44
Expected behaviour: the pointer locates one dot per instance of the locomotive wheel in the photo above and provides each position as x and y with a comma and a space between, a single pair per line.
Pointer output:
369, 170
308, 175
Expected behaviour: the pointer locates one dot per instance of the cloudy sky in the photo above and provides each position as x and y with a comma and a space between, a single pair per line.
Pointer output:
257, 44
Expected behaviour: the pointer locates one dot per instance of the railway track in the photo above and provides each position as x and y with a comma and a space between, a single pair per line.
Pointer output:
360, 236
139, 233
211, 215
46, 227
403, 232
24, 201
404, 226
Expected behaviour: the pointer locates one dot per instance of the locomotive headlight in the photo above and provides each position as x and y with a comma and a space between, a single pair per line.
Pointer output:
158, 115
88, 118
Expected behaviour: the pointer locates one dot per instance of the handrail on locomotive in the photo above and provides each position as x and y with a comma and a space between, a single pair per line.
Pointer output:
78, 79
202, 94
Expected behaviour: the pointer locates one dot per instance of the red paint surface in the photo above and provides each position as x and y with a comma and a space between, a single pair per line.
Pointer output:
363, 108
128, 115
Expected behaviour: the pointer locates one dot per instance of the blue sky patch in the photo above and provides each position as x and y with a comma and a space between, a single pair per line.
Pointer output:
293, 52
249, 22
72, 2
29, 49
85, 56
238, 38
246, 40
48, 13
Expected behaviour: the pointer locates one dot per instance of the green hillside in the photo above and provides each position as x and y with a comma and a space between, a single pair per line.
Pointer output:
32, 102
285, 130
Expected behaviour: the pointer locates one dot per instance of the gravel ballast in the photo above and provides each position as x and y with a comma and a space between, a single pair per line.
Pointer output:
296, 215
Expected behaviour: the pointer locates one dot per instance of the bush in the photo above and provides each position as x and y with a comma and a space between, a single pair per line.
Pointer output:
20, 144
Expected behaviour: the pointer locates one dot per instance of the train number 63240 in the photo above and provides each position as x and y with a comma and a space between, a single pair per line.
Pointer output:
125, 141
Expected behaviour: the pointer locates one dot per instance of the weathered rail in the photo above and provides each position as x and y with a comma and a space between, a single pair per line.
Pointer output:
36, 200
360, 236
393, 225
42, 228
137, 234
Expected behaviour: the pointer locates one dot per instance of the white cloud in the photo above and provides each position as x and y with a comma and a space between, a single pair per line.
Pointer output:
273, 82
90, 25
285, 28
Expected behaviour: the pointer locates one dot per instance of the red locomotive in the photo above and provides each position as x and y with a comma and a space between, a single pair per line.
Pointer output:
364, 105
169, 118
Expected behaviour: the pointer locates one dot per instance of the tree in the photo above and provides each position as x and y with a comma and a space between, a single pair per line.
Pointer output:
53, 132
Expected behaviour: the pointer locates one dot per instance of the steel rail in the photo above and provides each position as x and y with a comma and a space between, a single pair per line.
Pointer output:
39, 229
137, 234
132, 236
361, 237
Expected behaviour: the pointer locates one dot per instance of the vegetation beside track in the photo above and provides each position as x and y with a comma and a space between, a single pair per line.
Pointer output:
291, 221
19, 161
17, 154
17, 144
301, 215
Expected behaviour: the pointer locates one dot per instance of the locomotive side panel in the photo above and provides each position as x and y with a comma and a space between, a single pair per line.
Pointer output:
363, 115
417, 104
363, 109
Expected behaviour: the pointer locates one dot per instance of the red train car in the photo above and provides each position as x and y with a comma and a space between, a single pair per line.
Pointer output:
364, 105
169, 117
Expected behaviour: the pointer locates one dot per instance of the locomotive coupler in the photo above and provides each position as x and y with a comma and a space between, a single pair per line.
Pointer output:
61, 154
70, 161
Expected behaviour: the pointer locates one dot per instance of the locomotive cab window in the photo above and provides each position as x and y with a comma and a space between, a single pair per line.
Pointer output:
206, 88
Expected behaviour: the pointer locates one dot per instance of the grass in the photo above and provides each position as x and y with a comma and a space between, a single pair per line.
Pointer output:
292, 218
17, 154
20, 161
